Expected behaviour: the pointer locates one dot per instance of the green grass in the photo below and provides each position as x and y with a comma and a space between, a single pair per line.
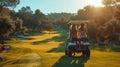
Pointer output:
50, 47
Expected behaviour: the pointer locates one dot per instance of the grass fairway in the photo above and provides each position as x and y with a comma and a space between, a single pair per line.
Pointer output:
50, 47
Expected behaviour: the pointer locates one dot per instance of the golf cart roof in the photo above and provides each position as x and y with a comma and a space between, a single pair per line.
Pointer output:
77, 21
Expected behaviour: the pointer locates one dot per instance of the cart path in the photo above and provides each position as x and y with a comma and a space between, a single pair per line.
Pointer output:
48, 51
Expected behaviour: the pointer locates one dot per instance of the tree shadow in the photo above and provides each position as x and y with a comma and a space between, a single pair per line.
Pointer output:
106, 48
61, 38
71, 62
33, 33
60, 48
43, 41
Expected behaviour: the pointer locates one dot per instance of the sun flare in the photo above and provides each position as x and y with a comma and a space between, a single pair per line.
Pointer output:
96, 3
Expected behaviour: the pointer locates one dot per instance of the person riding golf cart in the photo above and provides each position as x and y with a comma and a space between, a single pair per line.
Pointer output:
77, 38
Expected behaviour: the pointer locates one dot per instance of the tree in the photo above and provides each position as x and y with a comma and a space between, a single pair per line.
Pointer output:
35, 21
5, 26
86, 13
18, 24
6, 23
26, 9
117, 15
4, 12
107, 2
54, 17
39, 14
40, 21
9, 3
25, 13
111, 3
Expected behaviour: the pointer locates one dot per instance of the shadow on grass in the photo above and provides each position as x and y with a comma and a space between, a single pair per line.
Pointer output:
61, 38
106, 48
24, 38
60, 48
43, 41
56, 38
33, 33
71, 62
20, 50
20, 36
116, 48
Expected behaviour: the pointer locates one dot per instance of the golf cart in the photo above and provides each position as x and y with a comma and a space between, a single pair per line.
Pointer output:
78, 44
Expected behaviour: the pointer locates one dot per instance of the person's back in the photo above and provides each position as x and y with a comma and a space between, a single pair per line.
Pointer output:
73, 32
82, 31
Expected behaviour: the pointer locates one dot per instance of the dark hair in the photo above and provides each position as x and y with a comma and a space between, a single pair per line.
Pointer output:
82, 24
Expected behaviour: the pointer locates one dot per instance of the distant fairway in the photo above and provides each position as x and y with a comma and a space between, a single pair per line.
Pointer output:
50, 49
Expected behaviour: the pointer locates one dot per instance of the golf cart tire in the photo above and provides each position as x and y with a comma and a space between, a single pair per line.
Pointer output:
66, 52
69, 52
1, 59
87, 52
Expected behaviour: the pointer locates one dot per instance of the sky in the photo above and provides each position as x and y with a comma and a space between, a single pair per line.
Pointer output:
58, 6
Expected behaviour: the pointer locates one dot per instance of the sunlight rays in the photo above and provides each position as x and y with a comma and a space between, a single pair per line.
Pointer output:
96, 3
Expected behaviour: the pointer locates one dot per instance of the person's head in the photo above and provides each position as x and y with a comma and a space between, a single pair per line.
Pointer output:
82, 25
73, 25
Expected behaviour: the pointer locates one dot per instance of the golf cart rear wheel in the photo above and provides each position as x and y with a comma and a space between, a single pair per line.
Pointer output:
66, 52
69, 52
87, 52
1, 59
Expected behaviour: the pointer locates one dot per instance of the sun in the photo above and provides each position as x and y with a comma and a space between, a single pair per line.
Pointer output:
96, 3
